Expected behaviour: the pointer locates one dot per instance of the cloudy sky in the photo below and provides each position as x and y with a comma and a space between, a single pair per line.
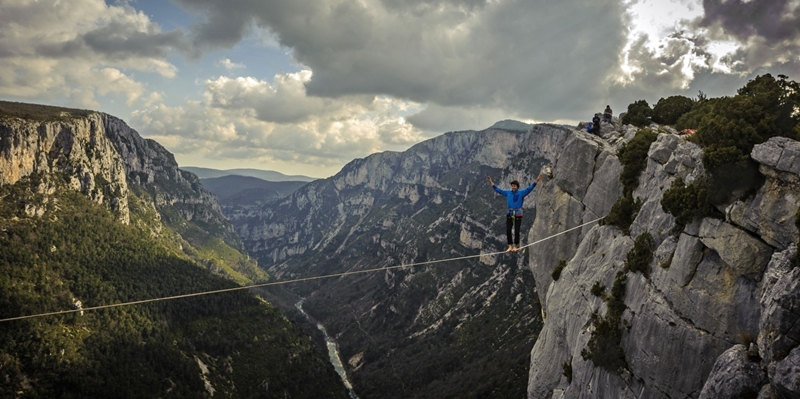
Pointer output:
304, 86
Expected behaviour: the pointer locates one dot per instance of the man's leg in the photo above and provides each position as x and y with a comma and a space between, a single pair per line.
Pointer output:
509, 225
517, 223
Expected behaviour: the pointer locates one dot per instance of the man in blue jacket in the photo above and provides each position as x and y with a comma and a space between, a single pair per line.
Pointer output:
514, 199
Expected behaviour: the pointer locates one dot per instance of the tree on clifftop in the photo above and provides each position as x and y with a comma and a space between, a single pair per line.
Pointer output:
639, 114
668, 110
765, 107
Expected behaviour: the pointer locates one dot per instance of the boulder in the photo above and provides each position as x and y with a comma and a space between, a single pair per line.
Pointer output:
787, 375
575, 169
768, 392
741, 251
664, 146
780, 153
770, 213
735, 375
780, 319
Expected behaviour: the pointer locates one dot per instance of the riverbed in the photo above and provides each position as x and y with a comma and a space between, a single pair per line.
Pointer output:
333, 350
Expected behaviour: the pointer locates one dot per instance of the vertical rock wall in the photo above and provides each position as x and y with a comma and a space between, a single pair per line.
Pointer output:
707, 291
77, 148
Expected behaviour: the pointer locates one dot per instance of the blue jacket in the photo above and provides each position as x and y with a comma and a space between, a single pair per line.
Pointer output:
515, 198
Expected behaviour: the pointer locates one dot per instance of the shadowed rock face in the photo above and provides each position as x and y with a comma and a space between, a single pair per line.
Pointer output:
711, 286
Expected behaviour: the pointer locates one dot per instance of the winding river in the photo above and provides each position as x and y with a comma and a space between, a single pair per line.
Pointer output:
333, 351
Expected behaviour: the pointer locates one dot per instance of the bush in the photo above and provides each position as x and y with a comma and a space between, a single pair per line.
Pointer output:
633, 157
685, 202
763, 108
604, 348
640, 256
557, 270
598, 289
639, 114
702, 107
668, 110
623, 213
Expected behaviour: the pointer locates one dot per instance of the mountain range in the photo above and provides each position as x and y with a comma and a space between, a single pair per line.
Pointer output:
268, 175
678, 281
236, 190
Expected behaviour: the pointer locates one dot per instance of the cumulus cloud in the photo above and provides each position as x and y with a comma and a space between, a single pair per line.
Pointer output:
80, 49
229, 65
535, 58
247, 118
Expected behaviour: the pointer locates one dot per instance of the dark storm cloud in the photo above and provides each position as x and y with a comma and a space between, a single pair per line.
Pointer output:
542, 59
118, 40
774, 20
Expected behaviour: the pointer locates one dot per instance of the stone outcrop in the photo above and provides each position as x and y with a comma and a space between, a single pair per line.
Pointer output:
78, 148
710, 286
770, 213
779, 153
584, 187
735, 375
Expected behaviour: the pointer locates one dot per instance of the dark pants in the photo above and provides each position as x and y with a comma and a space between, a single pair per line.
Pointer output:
513, 221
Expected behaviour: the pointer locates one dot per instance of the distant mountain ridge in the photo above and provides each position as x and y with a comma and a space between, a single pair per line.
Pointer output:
268, 175
510, 124
236, 189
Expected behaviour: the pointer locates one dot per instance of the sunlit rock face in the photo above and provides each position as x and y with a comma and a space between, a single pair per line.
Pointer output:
717, 314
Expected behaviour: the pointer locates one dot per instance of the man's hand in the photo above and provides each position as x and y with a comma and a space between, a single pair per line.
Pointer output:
489, 179
539, 178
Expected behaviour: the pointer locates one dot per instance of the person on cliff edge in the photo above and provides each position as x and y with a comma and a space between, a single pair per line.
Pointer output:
514, 199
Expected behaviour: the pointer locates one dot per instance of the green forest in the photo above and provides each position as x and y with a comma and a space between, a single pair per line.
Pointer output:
232, 344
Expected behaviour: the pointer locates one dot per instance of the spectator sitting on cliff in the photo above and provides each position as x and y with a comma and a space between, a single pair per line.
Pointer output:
607, 114
514, 199
596, 124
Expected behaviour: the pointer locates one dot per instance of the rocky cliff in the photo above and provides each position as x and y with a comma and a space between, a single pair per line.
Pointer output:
102, 157
716, 315
74, 146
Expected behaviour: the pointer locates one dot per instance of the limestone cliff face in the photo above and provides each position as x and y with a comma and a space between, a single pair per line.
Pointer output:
78, 148
712, 285
150, 166
102, 157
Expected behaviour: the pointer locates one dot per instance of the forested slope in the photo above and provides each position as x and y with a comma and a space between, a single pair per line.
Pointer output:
76, 231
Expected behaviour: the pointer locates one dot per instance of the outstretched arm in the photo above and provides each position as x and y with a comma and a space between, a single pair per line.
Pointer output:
527, 190
499, 191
